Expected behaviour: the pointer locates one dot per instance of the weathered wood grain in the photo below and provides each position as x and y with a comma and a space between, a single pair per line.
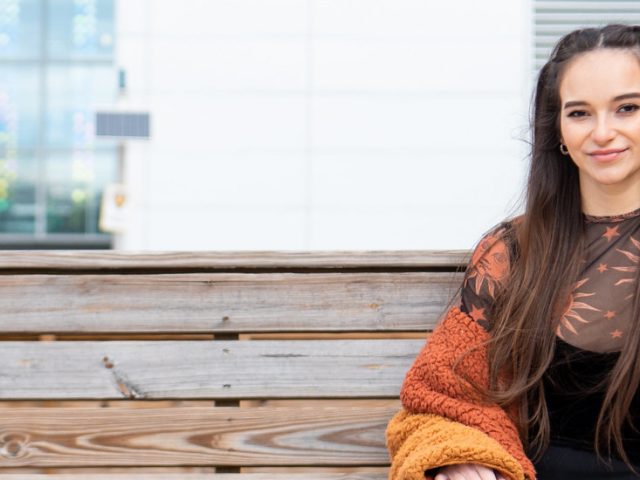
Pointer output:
280, 424
200, 476
223, 302
201, 369
112, 260
41, 437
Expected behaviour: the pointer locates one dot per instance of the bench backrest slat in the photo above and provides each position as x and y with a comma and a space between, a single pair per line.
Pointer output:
72, 260
223, 302
201, 435
200, 476
202, 369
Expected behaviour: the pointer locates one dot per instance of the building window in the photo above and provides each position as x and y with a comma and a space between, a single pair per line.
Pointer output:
57, 66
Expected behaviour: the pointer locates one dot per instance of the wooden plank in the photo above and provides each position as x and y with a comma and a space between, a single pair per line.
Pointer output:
8, 405
317, 470
201, 476
201, 369
75, 437
224, 302
194, 470
112, 260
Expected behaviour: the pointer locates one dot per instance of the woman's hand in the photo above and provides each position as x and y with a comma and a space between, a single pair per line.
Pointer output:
468, 471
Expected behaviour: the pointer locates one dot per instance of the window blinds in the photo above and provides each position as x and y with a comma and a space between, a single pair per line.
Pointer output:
553, 19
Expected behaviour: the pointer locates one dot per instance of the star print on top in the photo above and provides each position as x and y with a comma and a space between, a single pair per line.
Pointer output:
597, 314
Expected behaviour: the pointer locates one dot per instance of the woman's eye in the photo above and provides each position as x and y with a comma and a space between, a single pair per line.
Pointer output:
577, 113
628, 108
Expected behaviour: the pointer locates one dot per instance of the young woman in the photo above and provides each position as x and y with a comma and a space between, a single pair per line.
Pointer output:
534, 372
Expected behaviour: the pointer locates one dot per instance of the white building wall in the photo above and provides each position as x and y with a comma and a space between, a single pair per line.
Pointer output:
324, 124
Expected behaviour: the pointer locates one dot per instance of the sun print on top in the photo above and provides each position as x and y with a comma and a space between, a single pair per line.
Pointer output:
596, 314
572, 313
631, 269
592, 308
489, 264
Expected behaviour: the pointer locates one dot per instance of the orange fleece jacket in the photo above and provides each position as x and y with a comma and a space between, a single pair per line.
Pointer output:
444, 421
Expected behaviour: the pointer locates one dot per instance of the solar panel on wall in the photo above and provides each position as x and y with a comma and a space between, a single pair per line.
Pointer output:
122, 124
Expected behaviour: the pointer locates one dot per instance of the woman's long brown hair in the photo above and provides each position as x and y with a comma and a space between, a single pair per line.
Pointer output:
548, 249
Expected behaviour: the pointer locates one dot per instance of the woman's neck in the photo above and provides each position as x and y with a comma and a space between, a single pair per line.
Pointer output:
609, 200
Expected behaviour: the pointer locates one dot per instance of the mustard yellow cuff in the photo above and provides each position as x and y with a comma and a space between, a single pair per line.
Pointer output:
421, 442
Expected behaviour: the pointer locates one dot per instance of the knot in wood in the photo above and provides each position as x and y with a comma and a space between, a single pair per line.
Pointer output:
13, 445
107, 363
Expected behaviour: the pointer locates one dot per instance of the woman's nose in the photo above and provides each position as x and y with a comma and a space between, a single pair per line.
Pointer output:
603, 131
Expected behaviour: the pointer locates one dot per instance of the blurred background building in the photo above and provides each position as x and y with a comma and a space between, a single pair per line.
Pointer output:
274, 124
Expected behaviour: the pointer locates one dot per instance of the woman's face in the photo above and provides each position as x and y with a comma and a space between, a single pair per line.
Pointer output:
600, 125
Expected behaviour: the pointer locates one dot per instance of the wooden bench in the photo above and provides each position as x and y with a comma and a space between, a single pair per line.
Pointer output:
234, 366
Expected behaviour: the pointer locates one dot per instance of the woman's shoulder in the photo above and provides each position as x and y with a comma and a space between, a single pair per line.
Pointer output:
494, 252
488, 269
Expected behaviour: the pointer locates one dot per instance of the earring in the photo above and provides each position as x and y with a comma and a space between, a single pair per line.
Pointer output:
563, 149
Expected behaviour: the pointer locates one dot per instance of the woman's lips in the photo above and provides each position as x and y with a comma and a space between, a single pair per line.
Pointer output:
607, 155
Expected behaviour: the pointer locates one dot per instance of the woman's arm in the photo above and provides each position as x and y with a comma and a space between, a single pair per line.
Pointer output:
445, 421
468, 471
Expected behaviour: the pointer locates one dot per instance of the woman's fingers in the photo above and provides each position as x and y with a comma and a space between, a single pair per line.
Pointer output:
468, 471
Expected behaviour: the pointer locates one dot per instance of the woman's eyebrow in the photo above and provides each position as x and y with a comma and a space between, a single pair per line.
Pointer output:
575, 103
627, 95
580, 103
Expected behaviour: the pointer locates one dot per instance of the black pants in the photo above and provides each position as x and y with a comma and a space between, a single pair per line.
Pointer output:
563, 463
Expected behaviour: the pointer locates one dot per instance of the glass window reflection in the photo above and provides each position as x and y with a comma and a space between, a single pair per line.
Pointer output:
57, 59
81, 29
18, 174
19, 108
74, 93
20, 34
74, 187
